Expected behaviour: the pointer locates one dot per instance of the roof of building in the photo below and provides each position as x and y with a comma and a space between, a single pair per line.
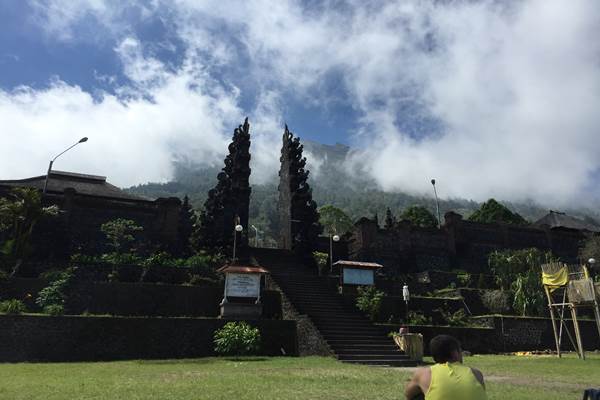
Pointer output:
556, 219
357, 264
91, 185
242, 269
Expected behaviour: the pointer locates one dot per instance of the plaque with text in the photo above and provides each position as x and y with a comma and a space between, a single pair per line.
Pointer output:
354, 276
243, 285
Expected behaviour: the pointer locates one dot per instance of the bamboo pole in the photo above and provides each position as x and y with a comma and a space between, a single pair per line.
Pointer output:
553, 320
577, 333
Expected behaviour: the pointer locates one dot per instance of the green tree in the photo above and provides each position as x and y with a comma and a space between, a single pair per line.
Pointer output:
590, 248
120, 233
334, 220
493, 212
518, 271
19, 213
419, 216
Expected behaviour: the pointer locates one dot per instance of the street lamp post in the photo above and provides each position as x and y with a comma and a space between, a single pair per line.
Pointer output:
334, 238
238, 228
82, 140
255, 235
437, 204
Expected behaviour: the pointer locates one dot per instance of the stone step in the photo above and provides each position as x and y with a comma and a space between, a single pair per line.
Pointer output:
365, 350
384, 362
377, 355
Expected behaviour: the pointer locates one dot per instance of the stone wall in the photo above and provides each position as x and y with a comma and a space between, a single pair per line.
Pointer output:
507, 334
137, 299
459, 244
26, 338
77, 228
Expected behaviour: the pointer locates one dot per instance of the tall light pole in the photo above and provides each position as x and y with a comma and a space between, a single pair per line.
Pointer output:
82, 140
437, 204
334, 238
255, 235
236, 229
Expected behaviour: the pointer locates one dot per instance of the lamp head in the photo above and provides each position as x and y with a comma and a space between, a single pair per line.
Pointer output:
239, 228
83, 140
592, 261
336, 238
433, 182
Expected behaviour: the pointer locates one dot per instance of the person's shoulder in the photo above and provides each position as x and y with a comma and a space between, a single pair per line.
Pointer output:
423, 372
478, 374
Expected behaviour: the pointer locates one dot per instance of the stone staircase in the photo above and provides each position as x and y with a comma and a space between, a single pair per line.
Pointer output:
350, 335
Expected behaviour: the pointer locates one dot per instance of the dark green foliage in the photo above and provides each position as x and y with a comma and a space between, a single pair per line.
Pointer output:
496, 301
419, 216
237, 339
120, 233
54, 309
19, 213
590, 249
506, 265
228, 202
493, 212
457, 318
334, 220
12, 307
369, 301
322, 261
417, 318
519, 271
56, 292
528, 292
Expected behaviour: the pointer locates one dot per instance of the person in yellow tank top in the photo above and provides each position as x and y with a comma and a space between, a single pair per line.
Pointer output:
448, 379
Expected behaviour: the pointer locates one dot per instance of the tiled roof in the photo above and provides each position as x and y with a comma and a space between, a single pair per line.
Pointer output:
555, 219
358, 264
242, 269
59, 181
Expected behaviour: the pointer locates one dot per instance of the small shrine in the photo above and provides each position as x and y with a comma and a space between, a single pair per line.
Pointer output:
241, 297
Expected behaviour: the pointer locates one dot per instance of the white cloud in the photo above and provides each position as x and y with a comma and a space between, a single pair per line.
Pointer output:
514, 87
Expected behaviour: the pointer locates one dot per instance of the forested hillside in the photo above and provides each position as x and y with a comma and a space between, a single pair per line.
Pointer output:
356, 196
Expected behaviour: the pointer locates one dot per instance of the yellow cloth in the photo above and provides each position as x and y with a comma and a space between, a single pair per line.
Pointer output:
454, 381
557, 279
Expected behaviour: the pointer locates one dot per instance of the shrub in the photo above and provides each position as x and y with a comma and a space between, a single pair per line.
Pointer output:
369, 301
237, 339
496, 301
160, 259
321, 259
417, 318
197, 280
54, 309
529, 295
51, 275
458, 318
120, 233
56, 292
115, 258
506, 265
12, 307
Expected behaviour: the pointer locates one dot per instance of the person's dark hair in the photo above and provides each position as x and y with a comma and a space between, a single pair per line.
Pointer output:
442, 346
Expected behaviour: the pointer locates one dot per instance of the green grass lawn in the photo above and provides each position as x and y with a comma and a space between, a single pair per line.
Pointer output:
282, 378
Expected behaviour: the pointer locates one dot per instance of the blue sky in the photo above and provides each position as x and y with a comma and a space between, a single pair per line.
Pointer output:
33, 58
493, 99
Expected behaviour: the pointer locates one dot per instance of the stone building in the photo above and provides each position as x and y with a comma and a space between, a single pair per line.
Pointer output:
88, 201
